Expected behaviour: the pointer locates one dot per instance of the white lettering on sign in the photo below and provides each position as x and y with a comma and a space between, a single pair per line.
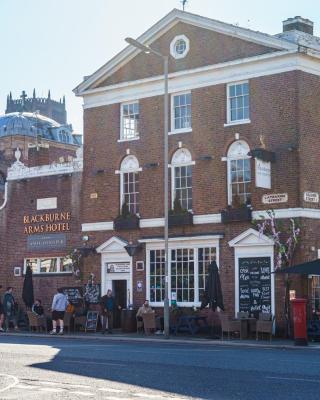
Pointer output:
263, 174
118, 267
50, 203
311, 197
275, 198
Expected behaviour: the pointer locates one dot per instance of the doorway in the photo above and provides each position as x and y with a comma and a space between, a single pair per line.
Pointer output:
119, 289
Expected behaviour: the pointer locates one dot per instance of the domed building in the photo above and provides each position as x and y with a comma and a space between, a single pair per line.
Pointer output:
36, 126
28, 130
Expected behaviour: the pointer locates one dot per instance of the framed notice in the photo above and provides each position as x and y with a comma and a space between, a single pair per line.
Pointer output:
119, 267
255, 285
263, 173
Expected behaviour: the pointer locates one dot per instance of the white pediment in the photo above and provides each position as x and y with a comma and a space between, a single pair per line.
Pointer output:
250, 238
166, 23
113, 245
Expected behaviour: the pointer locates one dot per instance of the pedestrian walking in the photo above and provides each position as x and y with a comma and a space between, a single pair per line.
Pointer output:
58, 308
9, 308
107, 305
1, 315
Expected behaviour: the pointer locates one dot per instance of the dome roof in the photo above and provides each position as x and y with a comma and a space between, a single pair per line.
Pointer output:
30, 124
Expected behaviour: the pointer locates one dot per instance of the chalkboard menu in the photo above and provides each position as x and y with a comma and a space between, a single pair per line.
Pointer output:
92, 321
74, 294
255, 285
92, 293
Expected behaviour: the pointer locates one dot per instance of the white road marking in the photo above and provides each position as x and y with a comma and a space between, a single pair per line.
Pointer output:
117, 398
86, 394
14, 383
150, 396
293, 379
51, 390
93, 362
111, 390
30, 387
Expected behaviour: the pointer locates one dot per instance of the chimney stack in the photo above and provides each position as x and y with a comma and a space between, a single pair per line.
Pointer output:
299, 24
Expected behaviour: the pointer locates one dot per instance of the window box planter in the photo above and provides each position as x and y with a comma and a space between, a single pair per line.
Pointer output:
241, 214
180, 219
123, 223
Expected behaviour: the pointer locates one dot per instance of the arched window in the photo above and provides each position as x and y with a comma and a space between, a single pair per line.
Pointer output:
239, 173
129, 183
181, 178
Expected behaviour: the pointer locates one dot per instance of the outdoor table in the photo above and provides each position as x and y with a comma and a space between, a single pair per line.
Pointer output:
191, 324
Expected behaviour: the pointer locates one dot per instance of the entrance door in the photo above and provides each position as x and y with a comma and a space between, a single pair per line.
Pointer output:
119, 288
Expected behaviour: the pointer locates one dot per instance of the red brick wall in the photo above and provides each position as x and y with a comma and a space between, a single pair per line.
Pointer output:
206, 48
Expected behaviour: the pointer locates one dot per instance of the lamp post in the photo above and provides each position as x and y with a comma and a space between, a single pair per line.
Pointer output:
165, 59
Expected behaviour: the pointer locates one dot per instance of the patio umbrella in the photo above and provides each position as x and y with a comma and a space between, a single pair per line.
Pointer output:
213, 293
307, 268
27, 291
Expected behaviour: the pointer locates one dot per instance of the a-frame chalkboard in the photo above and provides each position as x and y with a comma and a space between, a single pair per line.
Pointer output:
255, 285
92, 321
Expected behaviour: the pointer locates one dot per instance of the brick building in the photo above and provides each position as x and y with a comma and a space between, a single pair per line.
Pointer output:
244, 117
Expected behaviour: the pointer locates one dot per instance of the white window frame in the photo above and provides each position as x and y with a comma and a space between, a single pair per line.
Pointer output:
238, 121
129, 164
173, 51
181, 243
232, 155
181, 158
173, 129
38, 272
122, 138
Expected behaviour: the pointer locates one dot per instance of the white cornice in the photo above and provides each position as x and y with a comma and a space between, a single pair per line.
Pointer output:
232, 71
164, 25
281, 213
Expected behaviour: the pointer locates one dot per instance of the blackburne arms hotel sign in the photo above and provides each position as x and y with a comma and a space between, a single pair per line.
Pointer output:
47, 223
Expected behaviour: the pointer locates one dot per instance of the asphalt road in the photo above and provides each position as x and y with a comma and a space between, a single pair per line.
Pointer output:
56, 368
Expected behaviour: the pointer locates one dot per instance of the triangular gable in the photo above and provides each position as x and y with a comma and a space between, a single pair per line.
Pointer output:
251, 237
113, 245
166, 23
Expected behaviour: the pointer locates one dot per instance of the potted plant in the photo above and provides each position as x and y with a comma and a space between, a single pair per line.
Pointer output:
126, 220
238, 212
179, 216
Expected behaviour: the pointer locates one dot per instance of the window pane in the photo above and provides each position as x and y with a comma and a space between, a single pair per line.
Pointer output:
130, 120
48, 265
232, 91
65, 264
32, 262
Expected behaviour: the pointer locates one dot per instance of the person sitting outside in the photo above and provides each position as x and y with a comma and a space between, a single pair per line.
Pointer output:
144, 309
9, 306
37, 308
58, 308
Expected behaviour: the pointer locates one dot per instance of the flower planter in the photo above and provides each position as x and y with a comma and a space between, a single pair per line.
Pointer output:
236, 215
180, 219
121, 223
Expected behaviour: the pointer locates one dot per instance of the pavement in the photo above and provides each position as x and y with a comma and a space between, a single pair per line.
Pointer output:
201, 340
113, 368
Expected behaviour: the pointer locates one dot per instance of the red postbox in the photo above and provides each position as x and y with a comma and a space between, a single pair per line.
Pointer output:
299, 313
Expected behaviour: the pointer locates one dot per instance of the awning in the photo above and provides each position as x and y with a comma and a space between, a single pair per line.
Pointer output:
307, 268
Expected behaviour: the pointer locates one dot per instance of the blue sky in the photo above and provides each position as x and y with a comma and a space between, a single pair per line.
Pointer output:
52, 44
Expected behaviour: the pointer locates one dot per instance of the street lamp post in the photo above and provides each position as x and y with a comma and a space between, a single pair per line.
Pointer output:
165, 59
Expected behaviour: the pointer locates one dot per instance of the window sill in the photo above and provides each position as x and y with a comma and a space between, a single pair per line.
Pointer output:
187, 130
240, 122
50, 273
128, 140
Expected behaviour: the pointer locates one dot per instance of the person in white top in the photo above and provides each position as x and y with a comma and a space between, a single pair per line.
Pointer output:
58, 308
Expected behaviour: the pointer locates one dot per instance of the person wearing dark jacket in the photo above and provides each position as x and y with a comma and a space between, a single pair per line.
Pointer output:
9, 306
37, 308
107, 304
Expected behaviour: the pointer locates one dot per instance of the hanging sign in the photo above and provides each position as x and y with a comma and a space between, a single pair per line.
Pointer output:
118, 267
311, 197
263, 173
275, 198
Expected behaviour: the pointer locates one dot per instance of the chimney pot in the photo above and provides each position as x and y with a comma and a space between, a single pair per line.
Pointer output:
299, 24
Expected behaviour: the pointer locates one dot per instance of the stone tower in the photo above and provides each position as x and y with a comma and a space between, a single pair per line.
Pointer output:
55, 110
